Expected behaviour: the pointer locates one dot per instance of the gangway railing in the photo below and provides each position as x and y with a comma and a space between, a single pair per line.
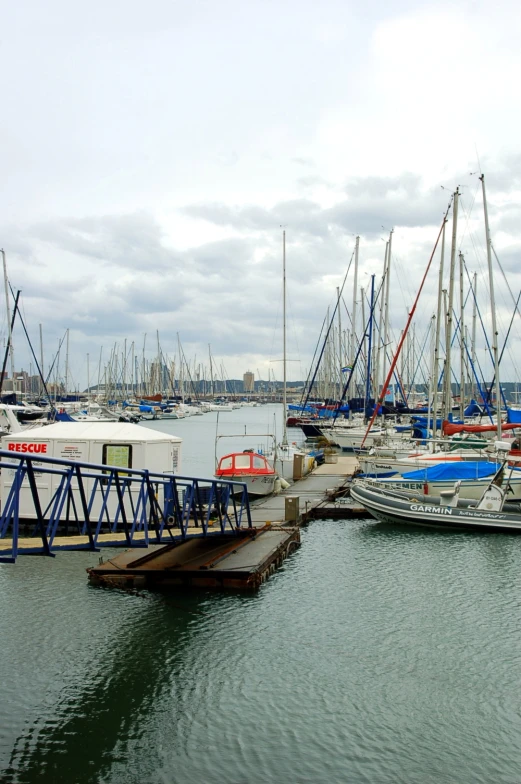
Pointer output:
97, 506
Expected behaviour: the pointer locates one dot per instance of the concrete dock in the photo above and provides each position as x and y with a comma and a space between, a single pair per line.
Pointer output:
317, 495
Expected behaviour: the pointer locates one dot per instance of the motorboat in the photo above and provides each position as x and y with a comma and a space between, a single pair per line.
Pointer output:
436, 479
491, 512
250, 468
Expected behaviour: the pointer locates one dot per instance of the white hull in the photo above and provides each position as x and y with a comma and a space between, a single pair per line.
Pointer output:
350, 439
470, 488
259, 485
401, 465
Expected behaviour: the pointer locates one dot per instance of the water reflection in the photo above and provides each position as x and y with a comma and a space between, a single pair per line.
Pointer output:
102, 708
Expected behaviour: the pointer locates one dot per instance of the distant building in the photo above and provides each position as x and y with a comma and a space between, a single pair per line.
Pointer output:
248, 381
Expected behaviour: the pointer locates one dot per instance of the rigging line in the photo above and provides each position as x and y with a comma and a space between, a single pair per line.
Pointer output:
60, 344
8, 346
484, 331
329, 329
506, 281
30, 345
358, 352
468, 215
421, 359
395, 360
307, 384
504, 346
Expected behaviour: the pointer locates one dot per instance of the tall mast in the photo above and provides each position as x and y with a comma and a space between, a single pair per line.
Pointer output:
99, 375
364, 335
436, 370
386, 318
353, 321
143, 368
8, 311
368, 374
474, 314
42, 371
493, 309
67, 365
132, 372
211, 372
380, 334
447, 396
462, 339
159, 365
340, 363
284, 402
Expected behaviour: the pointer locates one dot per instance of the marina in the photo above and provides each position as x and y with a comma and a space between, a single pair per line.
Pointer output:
260, 394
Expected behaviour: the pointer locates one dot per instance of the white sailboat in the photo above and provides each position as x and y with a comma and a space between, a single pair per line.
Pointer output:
290, 460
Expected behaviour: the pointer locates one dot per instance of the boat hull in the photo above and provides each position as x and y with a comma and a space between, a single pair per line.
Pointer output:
257, 486
427, 511
470, 488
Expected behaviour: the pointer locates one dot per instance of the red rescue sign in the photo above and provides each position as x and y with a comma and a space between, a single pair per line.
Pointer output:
32, 448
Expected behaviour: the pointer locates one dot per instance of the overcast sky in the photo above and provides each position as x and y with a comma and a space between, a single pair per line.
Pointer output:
153, 151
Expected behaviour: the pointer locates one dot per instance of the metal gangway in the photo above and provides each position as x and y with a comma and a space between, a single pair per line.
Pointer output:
72, 505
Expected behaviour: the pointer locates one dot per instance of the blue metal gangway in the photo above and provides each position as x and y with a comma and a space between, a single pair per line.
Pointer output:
107, 506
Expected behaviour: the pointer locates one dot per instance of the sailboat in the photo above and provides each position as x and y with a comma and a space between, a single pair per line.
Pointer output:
291, 461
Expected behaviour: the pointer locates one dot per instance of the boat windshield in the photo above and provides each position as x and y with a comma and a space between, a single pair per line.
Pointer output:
226, 462
242, 461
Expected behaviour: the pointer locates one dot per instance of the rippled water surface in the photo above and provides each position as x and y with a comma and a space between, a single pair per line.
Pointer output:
376, 654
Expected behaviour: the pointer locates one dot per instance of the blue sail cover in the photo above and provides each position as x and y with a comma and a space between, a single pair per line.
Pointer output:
513, 416
454, 470
473, 409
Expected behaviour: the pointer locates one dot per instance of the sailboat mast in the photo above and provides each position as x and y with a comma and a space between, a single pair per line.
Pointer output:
42, 371
493, 308
462, 339
368, 373
435, 374
284, 393
381, 328
340, 362
447, 396
386, 317
211, 372
474, 314
353, 321
8, 311
67, 365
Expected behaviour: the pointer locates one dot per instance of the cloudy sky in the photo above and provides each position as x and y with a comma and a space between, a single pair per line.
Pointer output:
153, 151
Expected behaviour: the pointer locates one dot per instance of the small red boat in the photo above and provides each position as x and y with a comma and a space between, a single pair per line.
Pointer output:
249, 467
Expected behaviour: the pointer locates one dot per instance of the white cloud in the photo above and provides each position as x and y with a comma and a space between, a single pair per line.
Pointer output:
152, 157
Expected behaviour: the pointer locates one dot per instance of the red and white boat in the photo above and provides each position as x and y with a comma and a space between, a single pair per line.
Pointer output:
251, 468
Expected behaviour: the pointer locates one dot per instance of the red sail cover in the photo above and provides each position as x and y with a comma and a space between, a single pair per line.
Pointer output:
449, 429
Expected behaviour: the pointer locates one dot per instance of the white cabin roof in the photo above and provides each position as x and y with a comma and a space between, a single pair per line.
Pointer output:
125, 432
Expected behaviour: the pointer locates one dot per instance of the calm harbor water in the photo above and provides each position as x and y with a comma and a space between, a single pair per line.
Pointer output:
376, 654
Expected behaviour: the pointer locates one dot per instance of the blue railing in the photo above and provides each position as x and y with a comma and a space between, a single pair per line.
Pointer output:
135, 508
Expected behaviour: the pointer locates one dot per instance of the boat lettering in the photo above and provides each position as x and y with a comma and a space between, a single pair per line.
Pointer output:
32, 448
441, 510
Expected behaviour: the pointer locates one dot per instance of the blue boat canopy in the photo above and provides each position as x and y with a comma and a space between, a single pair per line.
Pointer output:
513, 415
454, 470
